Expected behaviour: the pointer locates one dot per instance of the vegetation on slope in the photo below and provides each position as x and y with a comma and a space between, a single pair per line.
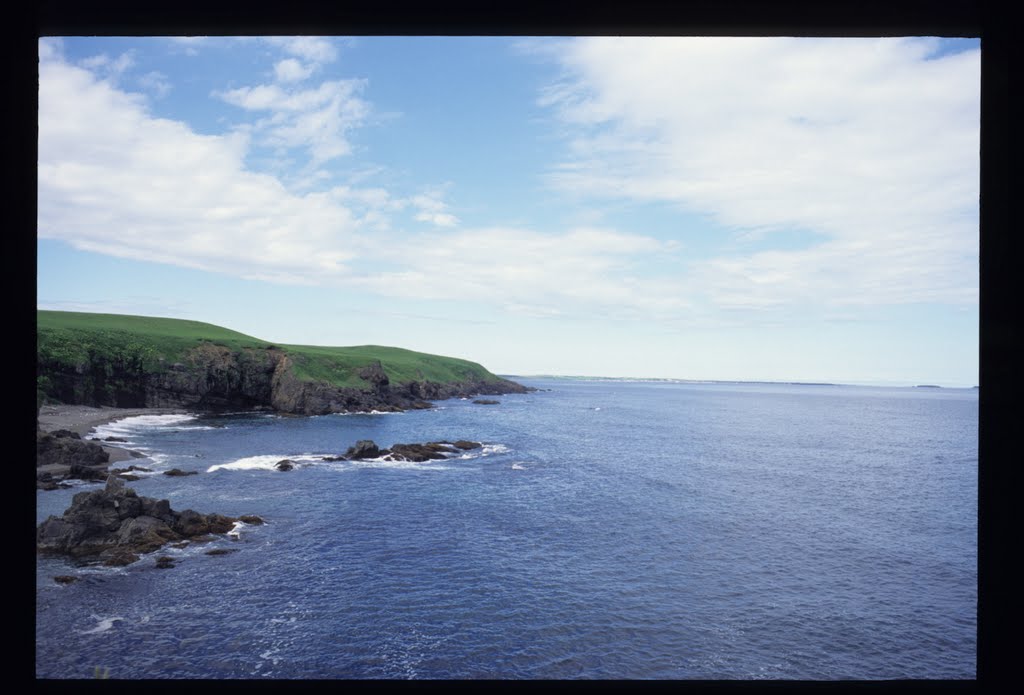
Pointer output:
142, 343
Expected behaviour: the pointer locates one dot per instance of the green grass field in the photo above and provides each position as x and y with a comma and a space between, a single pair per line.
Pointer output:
71, 338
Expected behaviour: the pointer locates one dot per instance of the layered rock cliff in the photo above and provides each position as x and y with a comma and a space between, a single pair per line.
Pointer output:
215, 377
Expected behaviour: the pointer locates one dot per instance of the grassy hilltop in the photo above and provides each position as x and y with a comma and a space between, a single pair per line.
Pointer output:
117, 348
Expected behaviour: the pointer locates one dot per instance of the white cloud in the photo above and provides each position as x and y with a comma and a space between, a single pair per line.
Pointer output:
291, 70
156, 82
112, 67
318, 118
582, 271
314, 49
433, 210
871, 143
115, 180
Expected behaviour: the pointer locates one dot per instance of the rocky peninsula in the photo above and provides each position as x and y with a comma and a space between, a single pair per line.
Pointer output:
145, 362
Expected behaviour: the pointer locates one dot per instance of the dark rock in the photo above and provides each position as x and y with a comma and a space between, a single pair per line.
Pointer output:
118, 557
114, 439
374, 374
486, 401
363, 449
164, 562
467, 446
177, 472
251, 519
220, 523
65, 433
416, 453
83, 472
129, 477
114, 525
65, 579
221, 551
284, 465
68, 451
191, 523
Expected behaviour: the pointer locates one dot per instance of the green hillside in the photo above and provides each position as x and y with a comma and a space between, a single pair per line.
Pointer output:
151, 343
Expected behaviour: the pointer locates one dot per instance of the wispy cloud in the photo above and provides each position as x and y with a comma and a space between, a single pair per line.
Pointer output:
115, 179
317, 119
870, 143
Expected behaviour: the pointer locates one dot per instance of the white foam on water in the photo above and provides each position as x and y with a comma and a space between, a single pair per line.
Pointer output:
102, 625
485, 450
263, 462
431, 465
517, 467
368, 412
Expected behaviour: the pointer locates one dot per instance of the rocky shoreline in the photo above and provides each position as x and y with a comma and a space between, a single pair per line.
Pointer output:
62, 453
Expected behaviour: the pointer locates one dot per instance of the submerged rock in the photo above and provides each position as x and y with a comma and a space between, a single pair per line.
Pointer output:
486, 401
114, 526
177, 472
284, 465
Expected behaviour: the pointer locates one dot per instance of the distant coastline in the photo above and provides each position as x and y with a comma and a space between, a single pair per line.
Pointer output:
669, 380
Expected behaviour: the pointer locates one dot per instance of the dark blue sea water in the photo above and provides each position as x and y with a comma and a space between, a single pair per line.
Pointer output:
608, 530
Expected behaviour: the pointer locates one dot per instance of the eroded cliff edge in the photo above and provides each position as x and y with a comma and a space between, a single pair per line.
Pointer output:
210, 376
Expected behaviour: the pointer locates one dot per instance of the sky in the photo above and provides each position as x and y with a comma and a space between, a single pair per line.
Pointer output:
759, 208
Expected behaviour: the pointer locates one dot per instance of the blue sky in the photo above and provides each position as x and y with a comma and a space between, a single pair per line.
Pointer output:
698, 208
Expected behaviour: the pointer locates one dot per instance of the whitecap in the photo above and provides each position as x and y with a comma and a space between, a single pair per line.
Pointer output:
267, 462
102, 625
517, 467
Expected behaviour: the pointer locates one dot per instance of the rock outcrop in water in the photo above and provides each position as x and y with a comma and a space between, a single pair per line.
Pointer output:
417, 453
114, 526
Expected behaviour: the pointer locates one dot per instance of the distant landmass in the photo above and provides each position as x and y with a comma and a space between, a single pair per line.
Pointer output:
673, 380
140, 361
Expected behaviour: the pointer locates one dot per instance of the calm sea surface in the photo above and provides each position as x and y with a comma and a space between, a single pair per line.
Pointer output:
607, 530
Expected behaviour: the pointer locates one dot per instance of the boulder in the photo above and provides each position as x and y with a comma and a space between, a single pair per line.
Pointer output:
285, 465
467, 446
177, 472
486, 401
363, 449
68, 450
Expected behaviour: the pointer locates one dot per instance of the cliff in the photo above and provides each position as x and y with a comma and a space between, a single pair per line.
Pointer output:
132, 362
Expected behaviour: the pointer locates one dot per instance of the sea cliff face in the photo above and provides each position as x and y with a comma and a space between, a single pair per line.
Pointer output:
215, 377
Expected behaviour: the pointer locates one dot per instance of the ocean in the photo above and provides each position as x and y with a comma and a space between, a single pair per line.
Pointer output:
606, 530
